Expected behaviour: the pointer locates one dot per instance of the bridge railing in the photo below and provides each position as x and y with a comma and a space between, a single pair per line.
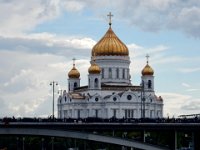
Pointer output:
196, 119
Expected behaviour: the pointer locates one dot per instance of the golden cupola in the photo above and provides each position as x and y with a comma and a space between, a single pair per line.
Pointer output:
74, 73
147, 70
110, 45
94, 68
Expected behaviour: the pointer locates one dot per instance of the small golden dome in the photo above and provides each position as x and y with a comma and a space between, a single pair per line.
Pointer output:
110, 45
94, 69
74, 73
147, 70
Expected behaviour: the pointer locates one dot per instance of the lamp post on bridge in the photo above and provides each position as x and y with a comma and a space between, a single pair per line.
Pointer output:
53, 83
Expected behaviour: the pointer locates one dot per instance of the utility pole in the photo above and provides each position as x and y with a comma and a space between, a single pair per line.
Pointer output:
53, 83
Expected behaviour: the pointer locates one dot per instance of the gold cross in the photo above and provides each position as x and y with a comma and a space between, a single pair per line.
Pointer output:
110, 18
147, 56
74, 59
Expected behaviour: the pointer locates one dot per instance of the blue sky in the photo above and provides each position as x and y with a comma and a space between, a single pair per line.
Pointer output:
39, 38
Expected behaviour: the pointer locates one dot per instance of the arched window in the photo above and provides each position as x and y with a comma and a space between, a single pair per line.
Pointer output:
110, 72
102, 72
149, 84
123, 74
96, 83
69, 86
117, 73
75, 85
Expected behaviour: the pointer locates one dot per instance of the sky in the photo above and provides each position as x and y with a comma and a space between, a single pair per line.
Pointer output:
39, 39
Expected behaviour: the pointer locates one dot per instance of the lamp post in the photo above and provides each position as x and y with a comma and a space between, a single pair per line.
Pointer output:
142, 100
53, 83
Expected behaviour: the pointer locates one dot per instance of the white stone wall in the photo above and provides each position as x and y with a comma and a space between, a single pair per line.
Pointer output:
91, 81
128, 105
71, 82
146, 79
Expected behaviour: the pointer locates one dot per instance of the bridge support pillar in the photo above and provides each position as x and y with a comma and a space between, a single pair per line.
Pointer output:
173, 141
142, 133
196, 140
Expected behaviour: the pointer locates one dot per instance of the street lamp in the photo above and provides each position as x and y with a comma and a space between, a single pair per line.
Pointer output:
142, 100
53, 83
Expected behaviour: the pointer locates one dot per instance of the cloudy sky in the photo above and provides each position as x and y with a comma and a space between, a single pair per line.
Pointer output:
39, 38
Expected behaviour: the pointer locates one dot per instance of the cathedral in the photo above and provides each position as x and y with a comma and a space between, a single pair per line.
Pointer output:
109, 92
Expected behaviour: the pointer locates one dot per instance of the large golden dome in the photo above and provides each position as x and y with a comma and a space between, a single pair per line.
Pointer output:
110, 45
74, 73
147, 70
94, 69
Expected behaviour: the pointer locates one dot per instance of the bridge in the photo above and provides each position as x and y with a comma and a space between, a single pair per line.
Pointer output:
78, 135
90, 131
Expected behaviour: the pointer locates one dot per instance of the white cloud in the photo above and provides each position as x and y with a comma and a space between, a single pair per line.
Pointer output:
73, 6
189, 88
25, 15
192, 105
176, 104
193, 90
26, 90
47, 43
189, 70
151, 15
185, 85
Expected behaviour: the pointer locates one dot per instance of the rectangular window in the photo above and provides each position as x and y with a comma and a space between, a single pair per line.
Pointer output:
132, 113
96, 113
65, 113
123, 74
114, 113
78, 113
102, 73
151, 114
158, 113
129, 113
126, 116
117, 73
110, 72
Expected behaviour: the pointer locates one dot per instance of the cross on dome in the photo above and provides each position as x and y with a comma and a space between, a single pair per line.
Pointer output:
147, 56
74, 59
110, 18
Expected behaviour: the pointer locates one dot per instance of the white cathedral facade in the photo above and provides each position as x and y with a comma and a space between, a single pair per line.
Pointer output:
109, 92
